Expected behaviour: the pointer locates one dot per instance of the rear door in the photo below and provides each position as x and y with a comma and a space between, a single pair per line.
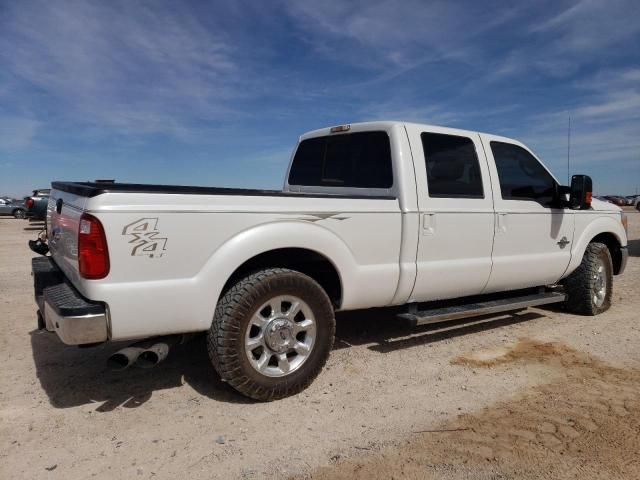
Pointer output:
533, 236
456, 213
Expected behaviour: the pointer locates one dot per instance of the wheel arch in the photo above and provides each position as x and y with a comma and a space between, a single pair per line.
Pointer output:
331, 262
603, 229
301, 259
613, 245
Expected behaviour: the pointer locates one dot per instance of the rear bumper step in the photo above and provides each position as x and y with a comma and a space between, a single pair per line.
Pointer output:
75, 319
487, 307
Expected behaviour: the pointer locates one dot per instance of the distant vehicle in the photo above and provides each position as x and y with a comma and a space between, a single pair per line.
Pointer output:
9, 206
632, 199
37, 204
616, 200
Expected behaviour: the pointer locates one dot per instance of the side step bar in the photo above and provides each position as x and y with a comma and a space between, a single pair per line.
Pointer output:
487, 307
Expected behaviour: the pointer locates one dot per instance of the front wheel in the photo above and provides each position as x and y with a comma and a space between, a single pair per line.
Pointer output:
272, 333
19, 213
589, 287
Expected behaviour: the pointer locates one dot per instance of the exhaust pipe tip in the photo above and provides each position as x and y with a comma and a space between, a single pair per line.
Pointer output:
143, 354
117, 361
124, 358
154, 355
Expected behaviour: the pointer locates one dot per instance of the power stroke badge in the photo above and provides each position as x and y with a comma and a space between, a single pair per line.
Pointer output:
145, 238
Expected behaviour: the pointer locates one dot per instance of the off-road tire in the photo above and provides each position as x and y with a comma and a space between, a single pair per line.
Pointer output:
579, 286
225, 339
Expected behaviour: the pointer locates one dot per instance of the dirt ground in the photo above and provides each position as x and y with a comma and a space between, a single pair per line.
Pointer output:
538, 394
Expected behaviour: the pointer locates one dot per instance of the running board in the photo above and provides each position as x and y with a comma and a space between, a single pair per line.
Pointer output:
487, 307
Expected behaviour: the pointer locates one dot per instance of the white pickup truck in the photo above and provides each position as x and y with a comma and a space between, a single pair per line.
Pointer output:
447, 223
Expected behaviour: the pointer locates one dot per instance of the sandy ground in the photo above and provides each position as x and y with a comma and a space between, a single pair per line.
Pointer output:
539, 394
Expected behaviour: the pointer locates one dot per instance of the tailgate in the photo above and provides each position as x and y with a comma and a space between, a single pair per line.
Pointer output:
63, 219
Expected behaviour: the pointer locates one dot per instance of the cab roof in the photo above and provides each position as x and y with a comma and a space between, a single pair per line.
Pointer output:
388, 124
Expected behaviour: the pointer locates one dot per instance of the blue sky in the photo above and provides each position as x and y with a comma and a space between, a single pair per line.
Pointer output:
216, 93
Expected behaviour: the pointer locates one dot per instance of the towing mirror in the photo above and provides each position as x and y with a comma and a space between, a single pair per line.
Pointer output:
581, 190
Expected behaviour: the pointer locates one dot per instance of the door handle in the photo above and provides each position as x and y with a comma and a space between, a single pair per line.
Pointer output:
428, 223
501, 223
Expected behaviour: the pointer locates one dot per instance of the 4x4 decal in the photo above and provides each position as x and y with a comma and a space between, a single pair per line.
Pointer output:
144, 237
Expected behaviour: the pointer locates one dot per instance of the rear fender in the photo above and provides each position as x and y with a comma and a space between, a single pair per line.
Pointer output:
275, 235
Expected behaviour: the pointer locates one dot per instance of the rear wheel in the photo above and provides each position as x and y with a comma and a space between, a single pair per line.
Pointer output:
589, 287
19, 213
272, 333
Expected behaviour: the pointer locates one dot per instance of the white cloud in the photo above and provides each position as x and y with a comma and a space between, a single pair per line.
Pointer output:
621, 105
561, 43
592, 24
378, 34
605, 126
130, 66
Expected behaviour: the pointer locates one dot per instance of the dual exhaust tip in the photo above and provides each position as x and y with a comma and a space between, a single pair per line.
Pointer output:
145, 354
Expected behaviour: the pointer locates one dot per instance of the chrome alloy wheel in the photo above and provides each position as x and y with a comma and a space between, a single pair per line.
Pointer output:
280, 336
599, 284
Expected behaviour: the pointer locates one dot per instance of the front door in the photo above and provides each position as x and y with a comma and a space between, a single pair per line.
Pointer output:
456, 212
533, 235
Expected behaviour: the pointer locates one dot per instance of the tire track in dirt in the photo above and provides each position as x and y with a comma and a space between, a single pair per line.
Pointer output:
587, 424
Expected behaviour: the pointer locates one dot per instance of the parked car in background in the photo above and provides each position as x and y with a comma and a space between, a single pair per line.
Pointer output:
632, 199
10, 206
37, 204
616, 200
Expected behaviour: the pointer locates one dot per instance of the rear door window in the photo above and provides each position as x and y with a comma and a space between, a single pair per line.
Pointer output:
357, 160
452, 166
521, 175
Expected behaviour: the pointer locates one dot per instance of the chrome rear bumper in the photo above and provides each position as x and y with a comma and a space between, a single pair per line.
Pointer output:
75, 320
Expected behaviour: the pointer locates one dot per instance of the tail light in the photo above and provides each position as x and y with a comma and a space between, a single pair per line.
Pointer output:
29, 203
93, 256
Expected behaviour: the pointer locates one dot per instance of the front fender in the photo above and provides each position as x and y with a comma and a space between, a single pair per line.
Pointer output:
592, 227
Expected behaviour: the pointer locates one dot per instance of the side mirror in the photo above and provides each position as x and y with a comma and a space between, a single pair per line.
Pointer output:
581, 190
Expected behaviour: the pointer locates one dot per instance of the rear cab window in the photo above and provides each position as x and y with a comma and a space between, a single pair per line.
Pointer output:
452, 166
353, 160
